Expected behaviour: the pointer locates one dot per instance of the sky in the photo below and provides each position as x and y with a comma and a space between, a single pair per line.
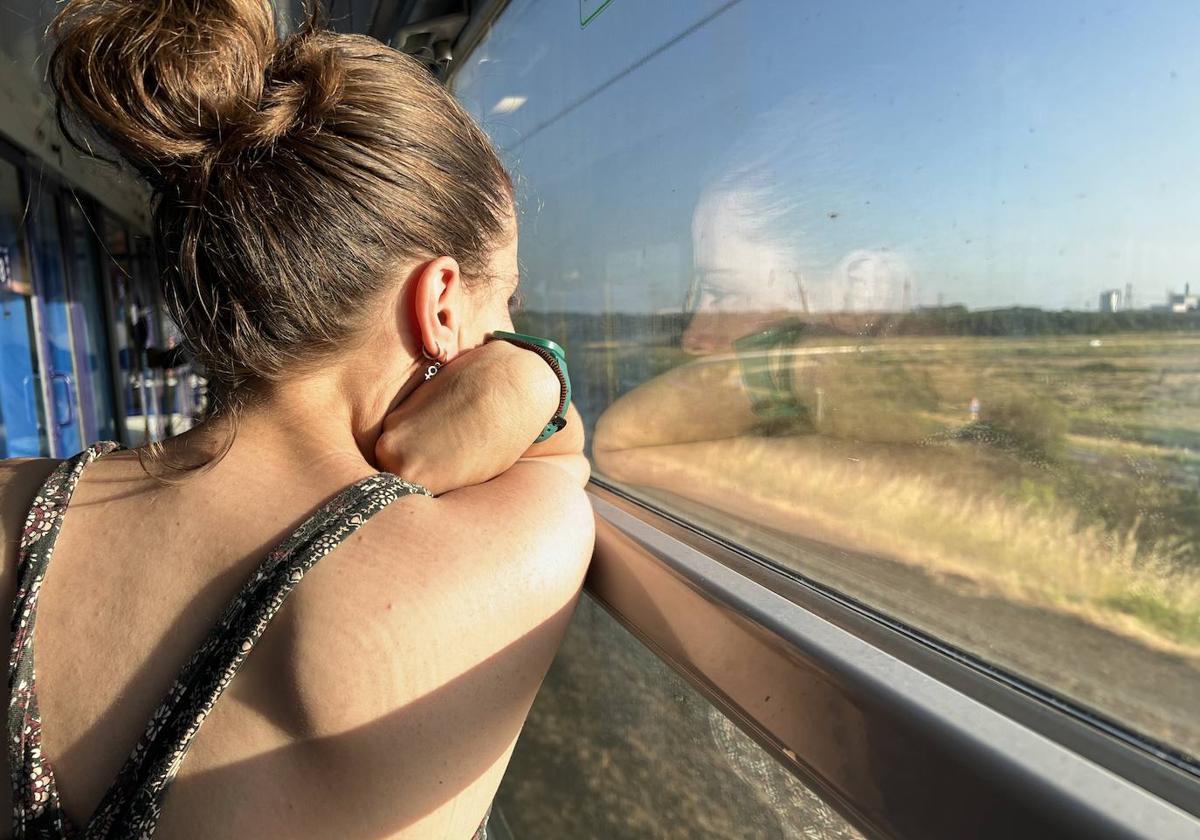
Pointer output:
989, 154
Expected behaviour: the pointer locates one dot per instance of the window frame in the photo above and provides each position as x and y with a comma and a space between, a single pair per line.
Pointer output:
970, 755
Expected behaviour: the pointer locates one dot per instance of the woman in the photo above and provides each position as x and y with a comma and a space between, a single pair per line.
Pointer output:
333, 228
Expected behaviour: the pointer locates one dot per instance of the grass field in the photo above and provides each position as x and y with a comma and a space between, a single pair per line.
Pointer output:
1073, 485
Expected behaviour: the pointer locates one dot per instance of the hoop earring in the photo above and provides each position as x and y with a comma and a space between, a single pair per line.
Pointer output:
436, 364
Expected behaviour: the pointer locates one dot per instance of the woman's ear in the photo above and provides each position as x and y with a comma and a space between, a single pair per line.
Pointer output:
437, 307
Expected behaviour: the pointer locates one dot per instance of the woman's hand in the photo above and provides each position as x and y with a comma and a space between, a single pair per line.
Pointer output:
472, 421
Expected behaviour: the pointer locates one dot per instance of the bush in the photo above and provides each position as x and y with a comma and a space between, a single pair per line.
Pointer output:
1034, 423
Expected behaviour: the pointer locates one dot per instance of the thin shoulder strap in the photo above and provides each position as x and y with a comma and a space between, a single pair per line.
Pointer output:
36, 809
132, 805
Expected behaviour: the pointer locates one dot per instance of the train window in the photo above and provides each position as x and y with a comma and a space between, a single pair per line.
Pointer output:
896, 296
637, 753
56, 327
22, 433
134, 330
91, 333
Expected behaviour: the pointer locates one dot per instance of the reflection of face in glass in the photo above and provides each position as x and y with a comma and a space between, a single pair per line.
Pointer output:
871, 281
743, 278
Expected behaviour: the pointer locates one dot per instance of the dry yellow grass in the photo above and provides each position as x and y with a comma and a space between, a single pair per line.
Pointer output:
1039, 555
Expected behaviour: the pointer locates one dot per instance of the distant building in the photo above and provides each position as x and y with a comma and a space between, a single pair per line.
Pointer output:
1186, 302
1110, 300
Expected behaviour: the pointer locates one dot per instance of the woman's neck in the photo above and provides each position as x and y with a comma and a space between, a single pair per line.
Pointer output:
324, 420
300, 426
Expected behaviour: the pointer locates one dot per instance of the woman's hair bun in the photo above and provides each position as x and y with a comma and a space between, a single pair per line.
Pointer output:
172, 85
293, 178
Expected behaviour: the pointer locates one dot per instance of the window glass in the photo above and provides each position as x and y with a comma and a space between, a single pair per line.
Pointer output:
185, 392
619, 746
897, 295
133, 331
22, 432
53, 304
91, 334
148, 324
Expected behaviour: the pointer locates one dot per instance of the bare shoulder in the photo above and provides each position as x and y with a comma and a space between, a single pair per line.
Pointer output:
531, 528
20, 480
534, 503
432, 587
416, 648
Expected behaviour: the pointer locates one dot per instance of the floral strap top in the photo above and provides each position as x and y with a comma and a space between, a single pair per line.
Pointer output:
131, 807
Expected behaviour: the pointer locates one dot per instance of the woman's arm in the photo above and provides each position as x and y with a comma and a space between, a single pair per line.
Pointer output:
476, 418
702, 400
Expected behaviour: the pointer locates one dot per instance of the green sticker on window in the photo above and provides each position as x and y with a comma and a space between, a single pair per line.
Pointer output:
588, 9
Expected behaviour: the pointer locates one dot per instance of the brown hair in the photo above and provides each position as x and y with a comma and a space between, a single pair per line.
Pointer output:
290, 178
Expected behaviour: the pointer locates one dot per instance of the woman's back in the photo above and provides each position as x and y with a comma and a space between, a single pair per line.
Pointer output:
333, 230
381, 701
